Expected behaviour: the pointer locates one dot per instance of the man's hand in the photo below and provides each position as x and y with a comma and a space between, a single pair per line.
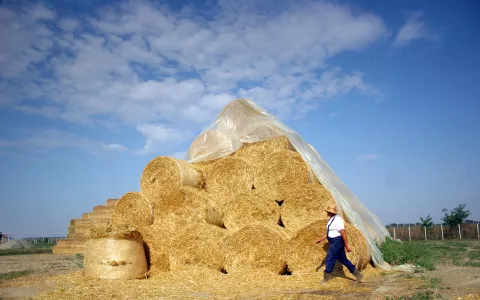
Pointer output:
318, 242
348, 249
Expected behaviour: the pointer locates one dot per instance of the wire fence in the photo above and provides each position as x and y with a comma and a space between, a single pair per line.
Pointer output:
34, 238
435, 232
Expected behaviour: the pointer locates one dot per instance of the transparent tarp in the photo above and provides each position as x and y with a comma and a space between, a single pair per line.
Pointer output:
243, 121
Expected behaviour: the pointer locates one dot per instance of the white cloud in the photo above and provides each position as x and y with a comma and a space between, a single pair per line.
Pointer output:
368, 156
139, 63
414, 29
156, 135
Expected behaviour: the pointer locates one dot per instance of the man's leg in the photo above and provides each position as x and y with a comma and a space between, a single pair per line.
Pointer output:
342, 257
331, 259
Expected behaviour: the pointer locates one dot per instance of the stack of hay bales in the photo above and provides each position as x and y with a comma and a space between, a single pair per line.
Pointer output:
78, 228
257, 209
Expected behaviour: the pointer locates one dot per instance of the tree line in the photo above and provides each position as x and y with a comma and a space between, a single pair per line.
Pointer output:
451, 218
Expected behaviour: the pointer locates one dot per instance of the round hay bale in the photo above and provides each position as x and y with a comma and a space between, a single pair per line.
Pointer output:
156, 247
115, 258
280, 170
305, 204
187, 206
165, 176
134, 209
230, 177
255, 247
211, 143
250, 207
198, 245
305, 256
255, 153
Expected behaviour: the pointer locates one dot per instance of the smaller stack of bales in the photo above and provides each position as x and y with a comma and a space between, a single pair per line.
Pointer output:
255, 210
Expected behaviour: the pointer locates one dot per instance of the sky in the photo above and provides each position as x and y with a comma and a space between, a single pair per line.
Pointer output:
91, 91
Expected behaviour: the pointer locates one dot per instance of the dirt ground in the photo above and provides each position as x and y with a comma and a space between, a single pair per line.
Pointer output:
61, 277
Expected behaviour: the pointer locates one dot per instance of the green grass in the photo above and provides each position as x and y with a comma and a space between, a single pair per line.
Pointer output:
396, 253
474, 255
424, 295
24, 251
14, 274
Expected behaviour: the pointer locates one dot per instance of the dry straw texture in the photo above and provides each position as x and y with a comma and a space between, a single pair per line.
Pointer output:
186, 206
250, 207
280, 170
230, 177
122, 231
255, 153
156, 243
113, 258
198, 245
305, 204
305, 256
255, 247
165, 176
133, 209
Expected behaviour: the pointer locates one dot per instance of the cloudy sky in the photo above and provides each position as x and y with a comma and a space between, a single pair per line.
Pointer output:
91, 91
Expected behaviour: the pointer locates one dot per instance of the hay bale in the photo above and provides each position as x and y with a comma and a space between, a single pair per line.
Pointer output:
115, 258
156, 244
305, 256
255, 247
250, 207
165, 176
134, 209
230, 177
255, 153
211, 143
187, 206
214, 213
280, 170
198, 245
305, 204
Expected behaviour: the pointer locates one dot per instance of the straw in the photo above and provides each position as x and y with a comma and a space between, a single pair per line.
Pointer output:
133, 209
255, 153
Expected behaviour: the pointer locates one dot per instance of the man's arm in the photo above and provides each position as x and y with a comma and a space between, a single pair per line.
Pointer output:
324, 237
345, 241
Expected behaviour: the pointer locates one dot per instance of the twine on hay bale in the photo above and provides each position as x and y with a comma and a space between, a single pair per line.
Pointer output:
280, 170
305, 204
134, 209
165, 176
211, 142
305, 256
187, 206
250, 207
115, 253
255, 153
255, 247
230, 177
198, 245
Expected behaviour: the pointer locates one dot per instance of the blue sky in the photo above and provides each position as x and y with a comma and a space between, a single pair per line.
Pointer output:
386, 92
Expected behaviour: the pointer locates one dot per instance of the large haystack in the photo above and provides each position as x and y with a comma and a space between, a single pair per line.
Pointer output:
133, 208
255, 153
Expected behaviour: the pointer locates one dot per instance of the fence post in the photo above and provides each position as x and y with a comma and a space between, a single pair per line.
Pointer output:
409, 235
478, 232
441, 228
395, 237
459, 232
425, 228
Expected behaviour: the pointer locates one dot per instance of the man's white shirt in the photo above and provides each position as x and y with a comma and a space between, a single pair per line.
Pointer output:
334, 225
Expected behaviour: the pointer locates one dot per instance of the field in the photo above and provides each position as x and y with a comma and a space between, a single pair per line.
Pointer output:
449, 270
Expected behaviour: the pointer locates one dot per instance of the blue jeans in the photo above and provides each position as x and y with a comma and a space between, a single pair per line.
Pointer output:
336, 252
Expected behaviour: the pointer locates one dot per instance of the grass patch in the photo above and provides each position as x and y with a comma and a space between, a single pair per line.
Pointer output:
397, 253
474, 255
425, 295
14, 274
472, 264
24, 251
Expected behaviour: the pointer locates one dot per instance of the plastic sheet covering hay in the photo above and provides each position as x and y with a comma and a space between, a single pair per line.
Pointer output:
208, 141
230, 177
255, 153
280, 170
305, 204
198, 245
250, 207
134, 209
165, 176
186, 206
255, 247
305, 256
113, 258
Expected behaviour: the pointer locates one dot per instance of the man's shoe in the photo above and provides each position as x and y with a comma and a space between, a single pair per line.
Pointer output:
326, 277
358, 275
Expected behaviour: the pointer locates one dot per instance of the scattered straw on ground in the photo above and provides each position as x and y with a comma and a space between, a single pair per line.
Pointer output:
133, 209
230, 177
280, 170
165, 176
250, 207
305, 204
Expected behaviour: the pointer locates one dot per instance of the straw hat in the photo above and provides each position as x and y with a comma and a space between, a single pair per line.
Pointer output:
332, 209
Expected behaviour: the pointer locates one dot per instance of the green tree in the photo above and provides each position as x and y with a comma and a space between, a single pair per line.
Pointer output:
456, 216
427, 222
